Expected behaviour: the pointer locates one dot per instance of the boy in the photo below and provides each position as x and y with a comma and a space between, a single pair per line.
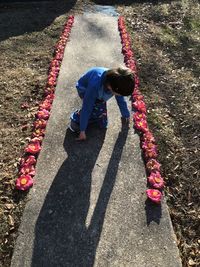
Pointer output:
96, 87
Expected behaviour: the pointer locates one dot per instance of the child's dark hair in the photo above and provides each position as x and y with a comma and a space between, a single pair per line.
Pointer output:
121, 81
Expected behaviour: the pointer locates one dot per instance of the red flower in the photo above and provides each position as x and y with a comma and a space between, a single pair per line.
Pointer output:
138, 116
40, 124
55, 63
43, 114
28, 169
154, 195
138, 97
156, 180
148, 137
49, 90
136, 92
150, 153
50, 97
45, 105
29, 160
140, 106
130, 63
55, 70
129, 53
52, 80
153, 165
141, 125
40, 132
148, 145
137, 82
24, 182
33, 147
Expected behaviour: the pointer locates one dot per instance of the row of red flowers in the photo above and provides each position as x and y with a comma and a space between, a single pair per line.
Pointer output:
28, 160
148, 145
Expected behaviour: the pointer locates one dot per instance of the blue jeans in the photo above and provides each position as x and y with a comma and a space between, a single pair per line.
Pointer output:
98, 115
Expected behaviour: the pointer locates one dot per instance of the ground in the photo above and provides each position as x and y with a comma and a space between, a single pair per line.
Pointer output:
166, 42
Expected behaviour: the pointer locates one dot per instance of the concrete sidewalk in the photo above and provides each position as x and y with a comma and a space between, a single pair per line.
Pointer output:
88, 207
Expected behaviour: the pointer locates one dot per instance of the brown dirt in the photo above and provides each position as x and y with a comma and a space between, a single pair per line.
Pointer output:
166, 43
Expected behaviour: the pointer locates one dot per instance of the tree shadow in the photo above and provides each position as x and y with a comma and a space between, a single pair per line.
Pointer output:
17, 19
61, 235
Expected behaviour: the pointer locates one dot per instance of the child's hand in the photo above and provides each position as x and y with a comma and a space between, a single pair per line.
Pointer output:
82, 137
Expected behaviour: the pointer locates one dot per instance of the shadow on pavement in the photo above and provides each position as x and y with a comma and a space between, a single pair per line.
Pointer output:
20, 18
153, 212
61, 235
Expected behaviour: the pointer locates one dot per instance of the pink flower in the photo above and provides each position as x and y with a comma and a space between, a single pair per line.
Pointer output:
138, 116
50, 97
70, 20
123, 30
156, 180
129, 54
55, 70
24, 182
138, 97
29, 160
130, 63
40, 124
150, 153
28, 169
125, 43
45, 105
43, 114
54, 63
148, 137
154, 195
148, 145
136, 92
153, 165
33, 148
137, 82
52, 80
140, 106
150, 150
141, 125
40, 132
49, 90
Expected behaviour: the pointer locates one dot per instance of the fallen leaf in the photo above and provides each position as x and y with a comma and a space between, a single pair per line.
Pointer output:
10, 220
9, 206
191, 262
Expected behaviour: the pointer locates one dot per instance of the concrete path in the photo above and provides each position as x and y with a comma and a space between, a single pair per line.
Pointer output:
88, 207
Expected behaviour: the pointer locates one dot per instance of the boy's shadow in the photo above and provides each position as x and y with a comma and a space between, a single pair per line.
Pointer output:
61, 235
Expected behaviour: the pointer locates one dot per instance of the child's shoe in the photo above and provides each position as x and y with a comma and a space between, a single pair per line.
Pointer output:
74, 127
